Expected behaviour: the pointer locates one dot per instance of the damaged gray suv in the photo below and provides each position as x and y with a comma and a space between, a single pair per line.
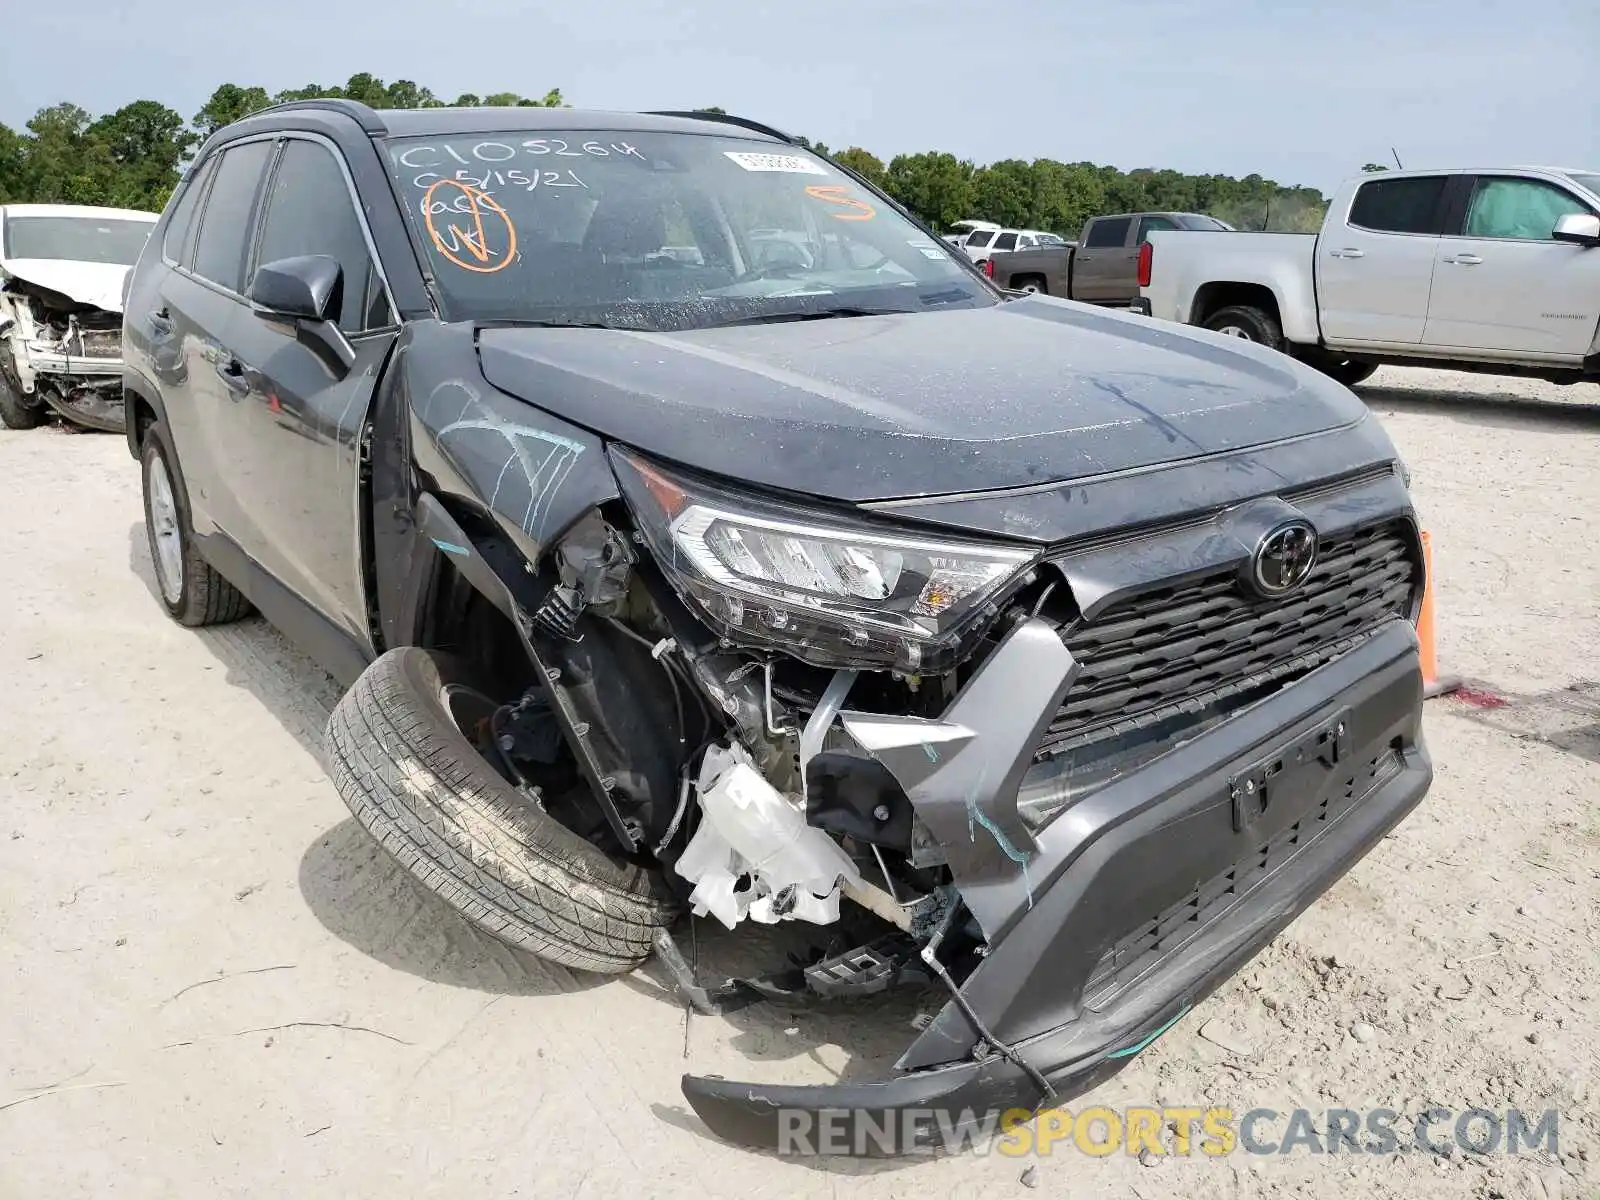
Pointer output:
696, 532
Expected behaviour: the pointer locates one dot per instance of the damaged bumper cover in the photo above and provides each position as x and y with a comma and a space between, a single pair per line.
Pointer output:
70, 363
1108, 916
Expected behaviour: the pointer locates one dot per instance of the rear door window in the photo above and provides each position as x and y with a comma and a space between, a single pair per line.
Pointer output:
1408, 205
1113, 231
224, 239
309, 211
175, 242
1006, 241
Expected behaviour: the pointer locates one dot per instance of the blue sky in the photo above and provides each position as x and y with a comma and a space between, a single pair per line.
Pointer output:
1302, 93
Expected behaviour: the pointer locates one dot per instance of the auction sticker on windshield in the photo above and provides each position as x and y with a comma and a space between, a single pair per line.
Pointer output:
792, 164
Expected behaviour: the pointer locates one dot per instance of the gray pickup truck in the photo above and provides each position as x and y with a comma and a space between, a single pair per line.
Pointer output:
1101, 267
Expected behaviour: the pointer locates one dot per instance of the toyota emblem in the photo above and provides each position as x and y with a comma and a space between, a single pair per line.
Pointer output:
1284, 558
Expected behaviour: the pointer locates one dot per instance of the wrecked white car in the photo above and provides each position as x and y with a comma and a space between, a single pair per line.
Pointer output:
62, 269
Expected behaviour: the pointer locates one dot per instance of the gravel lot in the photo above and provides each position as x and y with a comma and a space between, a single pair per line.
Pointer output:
216, 987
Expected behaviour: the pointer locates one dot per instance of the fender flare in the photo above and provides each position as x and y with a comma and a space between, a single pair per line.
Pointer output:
135, 386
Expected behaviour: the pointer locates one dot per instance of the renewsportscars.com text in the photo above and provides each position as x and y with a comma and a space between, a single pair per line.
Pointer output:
1174, 1130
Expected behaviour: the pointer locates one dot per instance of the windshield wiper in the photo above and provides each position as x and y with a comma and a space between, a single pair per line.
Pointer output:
512, 323
808, 314
948, 296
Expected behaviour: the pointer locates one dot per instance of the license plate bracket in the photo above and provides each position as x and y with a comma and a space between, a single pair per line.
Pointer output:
1252, 788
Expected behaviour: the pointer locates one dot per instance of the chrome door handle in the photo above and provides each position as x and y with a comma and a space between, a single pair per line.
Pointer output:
1347, 252
1464, 260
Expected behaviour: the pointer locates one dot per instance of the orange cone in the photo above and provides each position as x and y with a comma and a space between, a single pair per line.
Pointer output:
1432, 684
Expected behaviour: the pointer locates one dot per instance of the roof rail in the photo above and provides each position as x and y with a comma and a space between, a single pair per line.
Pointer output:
363, 115
726, 119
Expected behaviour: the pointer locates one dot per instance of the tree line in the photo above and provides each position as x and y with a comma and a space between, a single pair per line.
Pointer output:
133, 158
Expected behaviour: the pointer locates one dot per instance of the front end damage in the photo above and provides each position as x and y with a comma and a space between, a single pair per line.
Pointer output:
1071, 788
61, 355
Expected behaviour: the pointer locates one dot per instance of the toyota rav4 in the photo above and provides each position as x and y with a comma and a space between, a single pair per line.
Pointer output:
696, 531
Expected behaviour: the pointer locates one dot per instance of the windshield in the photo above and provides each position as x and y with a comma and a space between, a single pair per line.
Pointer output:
77, 239
661, 231
1203, 222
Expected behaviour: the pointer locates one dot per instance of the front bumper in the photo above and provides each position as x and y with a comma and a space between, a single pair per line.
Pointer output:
85, 390
1131, 905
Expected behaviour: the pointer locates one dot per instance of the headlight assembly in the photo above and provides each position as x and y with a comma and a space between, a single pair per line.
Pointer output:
830, 591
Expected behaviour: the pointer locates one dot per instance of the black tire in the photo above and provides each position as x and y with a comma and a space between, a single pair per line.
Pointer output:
416, 783
1347, 371
1248, 322
15, 412
1031, 283
193, 594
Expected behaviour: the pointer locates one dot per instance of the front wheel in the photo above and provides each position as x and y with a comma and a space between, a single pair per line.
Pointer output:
1248, 322
15, 412
1347, 371
409, 774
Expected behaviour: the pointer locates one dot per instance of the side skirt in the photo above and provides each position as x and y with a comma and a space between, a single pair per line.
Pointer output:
335, 651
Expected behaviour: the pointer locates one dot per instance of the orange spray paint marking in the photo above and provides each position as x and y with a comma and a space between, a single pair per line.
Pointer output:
833, 194
475, 239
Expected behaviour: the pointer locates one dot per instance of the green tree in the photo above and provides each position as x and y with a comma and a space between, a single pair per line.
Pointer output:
12, 149
1003, 191
148, 143
229, 103
133, 156
936, 186
863, 162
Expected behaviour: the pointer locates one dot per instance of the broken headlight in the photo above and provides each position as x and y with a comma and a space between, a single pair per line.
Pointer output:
827, 590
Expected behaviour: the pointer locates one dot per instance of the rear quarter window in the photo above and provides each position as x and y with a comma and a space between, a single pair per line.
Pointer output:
174, 245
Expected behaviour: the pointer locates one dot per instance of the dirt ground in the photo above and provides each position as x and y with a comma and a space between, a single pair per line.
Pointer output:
215, 986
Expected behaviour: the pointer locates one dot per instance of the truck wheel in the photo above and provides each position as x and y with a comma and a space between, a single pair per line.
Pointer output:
410, 775
192, 591
15, 412
1031, 283
1247, 322
1347, 371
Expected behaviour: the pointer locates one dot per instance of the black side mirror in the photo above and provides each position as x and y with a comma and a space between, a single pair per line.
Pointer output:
307, 288
1582, 229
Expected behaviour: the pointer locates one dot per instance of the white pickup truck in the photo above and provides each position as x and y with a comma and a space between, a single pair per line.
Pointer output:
1486, 270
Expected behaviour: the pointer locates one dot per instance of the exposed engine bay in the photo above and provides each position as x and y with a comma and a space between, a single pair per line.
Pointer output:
60, 355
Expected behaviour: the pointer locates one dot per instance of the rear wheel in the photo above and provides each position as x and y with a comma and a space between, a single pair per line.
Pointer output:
15, 412
192, 591
1031, 283
1249, 323
413, 778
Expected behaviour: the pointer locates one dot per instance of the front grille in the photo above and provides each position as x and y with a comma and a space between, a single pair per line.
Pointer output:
1181, 649
1167, 932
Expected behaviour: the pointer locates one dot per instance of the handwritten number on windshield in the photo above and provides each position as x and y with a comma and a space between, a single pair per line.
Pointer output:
487, 238
832, 194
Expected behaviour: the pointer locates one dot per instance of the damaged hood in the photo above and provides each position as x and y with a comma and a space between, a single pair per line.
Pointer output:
96, 284
1028, 392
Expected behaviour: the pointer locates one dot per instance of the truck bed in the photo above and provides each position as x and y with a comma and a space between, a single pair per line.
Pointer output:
1190, 260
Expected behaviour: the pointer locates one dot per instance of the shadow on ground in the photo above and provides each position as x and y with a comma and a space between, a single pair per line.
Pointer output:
297, 693
1501, 410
